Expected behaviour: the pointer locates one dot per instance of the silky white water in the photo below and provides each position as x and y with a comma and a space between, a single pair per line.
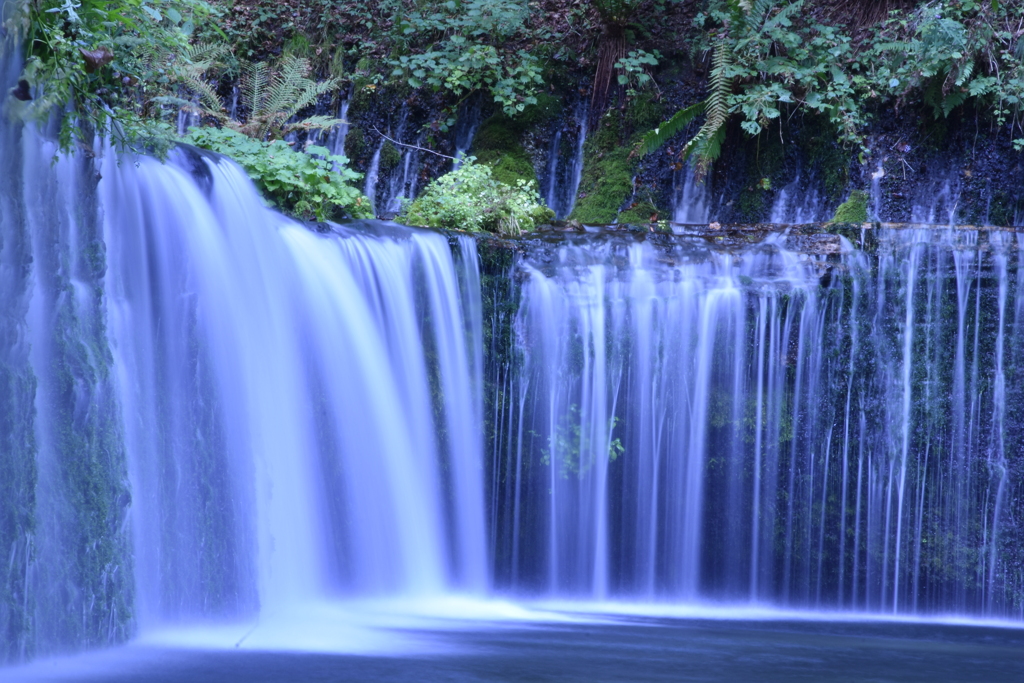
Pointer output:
224, 426
800, 421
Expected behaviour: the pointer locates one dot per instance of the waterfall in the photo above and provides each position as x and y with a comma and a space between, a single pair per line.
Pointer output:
400, 180
795, 205
403, 185
336, 138
213, 414
821, 426
297, 367
937, 201
466, 125
690, 197
876, 191
373, 176
564, 167
226, 415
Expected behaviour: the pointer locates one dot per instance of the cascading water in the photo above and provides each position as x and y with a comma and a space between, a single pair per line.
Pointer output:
233, 415
564, 167
822, 428
388, 186
338, 134
210, 412
295, 365
794, 204
690, 197
937, 202
466, 125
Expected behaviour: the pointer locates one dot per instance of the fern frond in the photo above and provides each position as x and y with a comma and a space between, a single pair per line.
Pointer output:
896, 46
313, 123
255, 81
311, 93
663, 133
208, 97
707, 143
205, 52
965, 73
784, 14
756, 13
289, 80
709, 152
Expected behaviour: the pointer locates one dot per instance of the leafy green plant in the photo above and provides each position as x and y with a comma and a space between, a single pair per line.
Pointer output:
458, 46
768, 57
114, 63
633, 69
950, 53
763, 59
313, 184
469, 198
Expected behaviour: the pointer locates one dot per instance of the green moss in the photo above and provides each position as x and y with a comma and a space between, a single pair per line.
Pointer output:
606, 183
547, 108
337, 64
509, 168
355, 143
607, 178
390, 157
853, 210
641, 212
644, 112
299, 46
497, 145
829, 161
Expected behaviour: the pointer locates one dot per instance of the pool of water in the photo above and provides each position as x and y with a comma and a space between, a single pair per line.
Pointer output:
570, 646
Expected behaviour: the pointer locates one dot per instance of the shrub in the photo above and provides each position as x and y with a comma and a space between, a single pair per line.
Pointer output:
469, 198
313, 184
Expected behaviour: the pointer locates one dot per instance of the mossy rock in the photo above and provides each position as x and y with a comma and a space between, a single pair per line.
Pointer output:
547, 108
606, 183
355, 143
299, 46
853, 210
337, 65
390, 157
644, 112
607, 179
497, 145
641, 212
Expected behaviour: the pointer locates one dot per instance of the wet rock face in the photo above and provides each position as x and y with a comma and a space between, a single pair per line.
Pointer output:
193, 159
954, 170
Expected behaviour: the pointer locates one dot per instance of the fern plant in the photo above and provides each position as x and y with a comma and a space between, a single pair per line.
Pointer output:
187, 68
706, 145
762, 61
273, 95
